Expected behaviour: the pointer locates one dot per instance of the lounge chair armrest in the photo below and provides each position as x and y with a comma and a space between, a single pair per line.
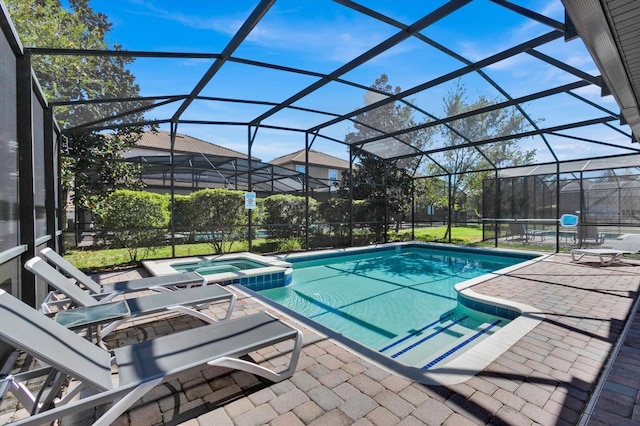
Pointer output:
5, 384
250, 367
104, 298
55, 300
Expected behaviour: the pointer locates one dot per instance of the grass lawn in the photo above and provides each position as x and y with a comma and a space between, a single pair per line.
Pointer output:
100, 260
462, 235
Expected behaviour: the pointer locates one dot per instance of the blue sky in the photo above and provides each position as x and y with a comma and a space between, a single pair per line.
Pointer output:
323, 35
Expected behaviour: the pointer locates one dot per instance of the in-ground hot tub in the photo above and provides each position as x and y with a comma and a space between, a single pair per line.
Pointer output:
248, 269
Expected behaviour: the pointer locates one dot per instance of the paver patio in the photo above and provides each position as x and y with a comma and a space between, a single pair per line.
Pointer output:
546, 378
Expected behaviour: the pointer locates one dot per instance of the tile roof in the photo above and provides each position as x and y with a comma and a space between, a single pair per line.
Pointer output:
315, 158
159, 141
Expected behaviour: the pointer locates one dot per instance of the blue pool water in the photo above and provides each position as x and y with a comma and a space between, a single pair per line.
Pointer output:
207, 267
400, 302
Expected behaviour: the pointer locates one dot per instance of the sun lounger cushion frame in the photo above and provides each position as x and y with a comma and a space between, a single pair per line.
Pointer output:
140, 367
158, 283
188, 301
606, 256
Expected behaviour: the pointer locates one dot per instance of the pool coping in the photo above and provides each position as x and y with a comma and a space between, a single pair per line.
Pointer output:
465, 365
274, 265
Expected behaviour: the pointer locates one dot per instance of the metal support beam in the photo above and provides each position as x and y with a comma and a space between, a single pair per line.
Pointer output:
24, 83
538, 41
172, 144
498, 211
449, 227
385, 216
392, 41
351, 209
250, 138
489, 108
51, 178
307, 147
531, 14
248, 25
413, 210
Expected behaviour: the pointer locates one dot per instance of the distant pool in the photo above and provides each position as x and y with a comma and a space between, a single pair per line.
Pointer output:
399, 301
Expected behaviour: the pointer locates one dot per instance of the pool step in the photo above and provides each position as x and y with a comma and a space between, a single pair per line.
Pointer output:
421, 348
464, 343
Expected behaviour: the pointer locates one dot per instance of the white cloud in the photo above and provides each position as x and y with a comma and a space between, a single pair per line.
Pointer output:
335, 40
553, 9
222, 23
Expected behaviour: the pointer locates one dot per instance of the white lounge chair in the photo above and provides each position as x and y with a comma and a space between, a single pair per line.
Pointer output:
606, 256
158, 283
186, 301
626, 244
140, 367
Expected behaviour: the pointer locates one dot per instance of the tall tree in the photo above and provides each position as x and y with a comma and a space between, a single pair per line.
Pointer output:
92, 166
466, 188
376, 179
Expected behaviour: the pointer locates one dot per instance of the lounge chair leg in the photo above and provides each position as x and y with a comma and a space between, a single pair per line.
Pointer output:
16, 384
57, 382
193, 312
204, 317
71, 393
21, 393
125, 402
258, 370
232, 304
574, 258
606, 262
109, 328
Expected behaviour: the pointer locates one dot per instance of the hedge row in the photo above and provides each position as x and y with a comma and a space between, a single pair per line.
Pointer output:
139, 220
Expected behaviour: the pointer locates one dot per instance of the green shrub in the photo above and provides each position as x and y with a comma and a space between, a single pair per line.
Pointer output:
185, 213
335, 212
367, 214
289, 245
221, 216
135, 220
285, 215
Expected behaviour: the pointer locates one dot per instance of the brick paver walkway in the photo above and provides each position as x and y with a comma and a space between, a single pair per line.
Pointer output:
546, 378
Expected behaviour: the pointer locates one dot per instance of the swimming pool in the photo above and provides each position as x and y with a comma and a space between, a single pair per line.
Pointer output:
408, 349
401, 300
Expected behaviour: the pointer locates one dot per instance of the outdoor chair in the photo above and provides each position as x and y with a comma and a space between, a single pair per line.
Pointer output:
589, 233
534, 233
158, 283
8, 357
186, 301
522, 232
624, 245
66, 357
518, 230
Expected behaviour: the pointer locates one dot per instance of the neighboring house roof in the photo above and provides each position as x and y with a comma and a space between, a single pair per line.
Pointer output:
316, 158
159, 141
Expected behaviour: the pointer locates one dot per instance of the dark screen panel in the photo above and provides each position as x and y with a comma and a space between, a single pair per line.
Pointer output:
9, 217
38, 167
10, 276
56, 187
